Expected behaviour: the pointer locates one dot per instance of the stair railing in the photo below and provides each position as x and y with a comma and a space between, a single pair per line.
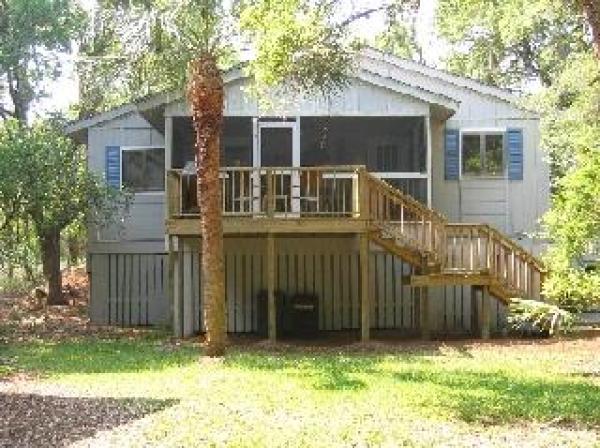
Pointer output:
455, 247
479, 247
414, 224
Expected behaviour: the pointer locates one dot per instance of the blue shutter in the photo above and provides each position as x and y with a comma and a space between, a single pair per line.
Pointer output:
514, 149
451, 158
113, 166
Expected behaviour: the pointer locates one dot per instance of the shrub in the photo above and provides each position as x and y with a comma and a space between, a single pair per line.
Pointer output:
534, 318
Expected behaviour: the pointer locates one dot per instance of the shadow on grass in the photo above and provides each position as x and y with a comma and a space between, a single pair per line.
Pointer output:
324, 372
97, 356
49, 421
497, 397
488, 397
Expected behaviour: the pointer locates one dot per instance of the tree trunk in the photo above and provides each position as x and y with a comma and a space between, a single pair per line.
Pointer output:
591, 10
50, 244
73, 248
205, 95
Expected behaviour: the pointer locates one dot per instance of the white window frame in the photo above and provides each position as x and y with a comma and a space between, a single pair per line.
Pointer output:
141, 148
479, 131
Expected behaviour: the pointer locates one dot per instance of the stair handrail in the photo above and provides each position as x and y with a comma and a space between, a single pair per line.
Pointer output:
509, 264
431, 238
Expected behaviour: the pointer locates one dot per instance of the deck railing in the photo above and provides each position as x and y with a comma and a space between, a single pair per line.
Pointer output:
275, 192
350, 192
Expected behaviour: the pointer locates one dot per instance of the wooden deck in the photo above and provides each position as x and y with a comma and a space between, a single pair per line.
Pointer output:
339, 200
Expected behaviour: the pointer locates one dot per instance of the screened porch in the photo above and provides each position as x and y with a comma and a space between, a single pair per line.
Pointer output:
308, 165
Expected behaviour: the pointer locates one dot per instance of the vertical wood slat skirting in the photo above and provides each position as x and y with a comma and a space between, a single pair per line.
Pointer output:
271, 266
365, 305
334, 274
128, 289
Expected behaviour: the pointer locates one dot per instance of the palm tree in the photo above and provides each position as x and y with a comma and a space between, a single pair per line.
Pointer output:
205, 96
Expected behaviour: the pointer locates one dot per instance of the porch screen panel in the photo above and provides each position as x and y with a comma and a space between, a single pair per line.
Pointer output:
393, 148
383, 144
236, 142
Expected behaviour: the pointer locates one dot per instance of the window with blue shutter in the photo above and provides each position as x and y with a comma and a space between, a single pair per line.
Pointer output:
113, 166
514, 149
451, 159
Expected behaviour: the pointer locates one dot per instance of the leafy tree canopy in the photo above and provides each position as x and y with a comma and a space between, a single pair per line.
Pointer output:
134, 49
503, 42
44, 182
32, 34
571, 135
400, 35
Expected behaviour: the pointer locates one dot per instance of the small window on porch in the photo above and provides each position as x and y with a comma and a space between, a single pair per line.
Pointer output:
483, 154
143, 169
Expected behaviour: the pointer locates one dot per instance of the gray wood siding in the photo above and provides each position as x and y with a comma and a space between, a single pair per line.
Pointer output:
359, 99
513, 207
145, 220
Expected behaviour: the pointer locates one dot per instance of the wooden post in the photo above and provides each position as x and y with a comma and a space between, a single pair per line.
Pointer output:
171, 260
173, 195
364, 194
424, 314
475, 311
485, 312
176, 258
365, 306
270, 194
272, 306
429, 162
356, 193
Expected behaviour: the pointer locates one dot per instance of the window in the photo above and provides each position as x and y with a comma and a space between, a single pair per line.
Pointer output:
483, 153
143, 169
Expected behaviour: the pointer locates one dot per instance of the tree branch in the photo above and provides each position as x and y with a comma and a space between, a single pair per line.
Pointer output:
362, 14
5, 113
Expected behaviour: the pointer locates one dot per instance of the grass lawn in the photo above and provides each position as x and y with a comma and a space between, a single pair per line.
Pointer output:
525, 393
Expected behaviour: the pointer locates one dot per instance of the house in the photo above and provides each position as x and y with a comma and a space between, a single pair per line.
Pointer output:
405, 202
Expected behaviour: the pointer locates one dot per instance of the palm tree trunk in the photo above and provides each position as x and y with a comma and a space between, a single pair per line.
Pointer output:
205, 95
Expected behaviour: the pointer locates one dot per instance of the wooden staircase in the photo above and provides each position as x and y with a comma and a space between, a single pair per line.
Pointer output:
447, 253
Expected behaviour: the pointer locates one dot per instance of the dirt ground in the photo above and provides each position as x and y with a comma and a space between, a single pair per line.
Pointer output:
26, 318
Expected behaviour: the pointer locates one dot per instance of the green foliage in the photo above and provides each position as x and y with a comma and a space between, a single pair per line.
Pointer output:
400, 35
574, 220
135, 49
573, 288
569, 109
296, 45
32, 34
504, 42
44, 188
18, 285
571, 136
45, 179
534, 317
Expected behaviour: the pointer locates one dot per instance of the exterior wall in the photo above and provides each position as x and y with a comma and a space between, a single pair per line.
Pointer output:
359, 99
511, 206
142, 230
329, 269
